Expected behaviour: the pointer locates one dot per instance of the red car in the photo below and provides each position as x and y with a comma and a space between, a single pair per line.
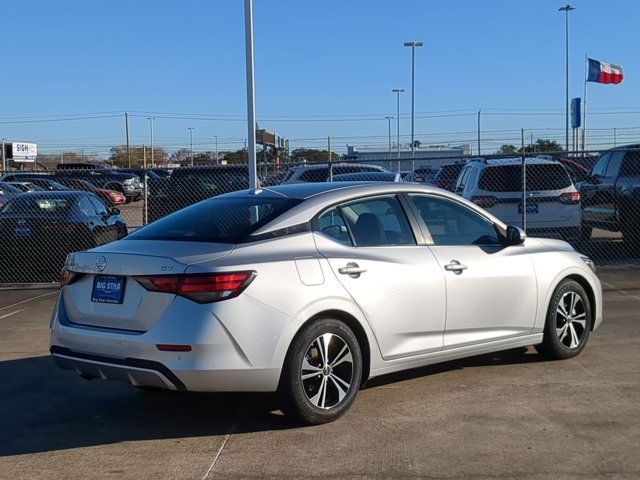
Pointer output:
111, 197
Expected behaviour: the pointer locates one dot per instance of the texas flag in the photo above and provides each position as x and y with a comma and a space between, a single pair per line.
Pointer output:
601, 72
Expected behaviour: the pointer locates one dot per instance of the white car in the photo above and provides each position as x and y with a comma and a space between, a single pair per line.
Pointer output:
312, 289
552, 200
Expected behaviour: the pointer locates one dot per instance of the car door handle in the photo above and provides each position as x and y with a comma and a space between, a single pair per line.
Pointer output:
352, 269
455, 266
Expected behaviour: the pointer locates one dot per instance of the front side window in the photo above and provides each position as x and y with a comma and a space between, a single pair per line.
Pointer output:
99, 206
216, 220
613, 169
451, 223
379, 221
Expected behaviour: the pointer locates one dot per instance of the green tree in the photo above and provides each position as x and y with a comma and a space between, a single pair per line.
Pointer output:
118, 156
543, 145
312, 155
507, 149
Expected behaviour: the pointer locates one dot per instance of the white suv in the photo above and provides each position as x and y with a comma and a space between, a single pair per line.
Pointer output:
553, 203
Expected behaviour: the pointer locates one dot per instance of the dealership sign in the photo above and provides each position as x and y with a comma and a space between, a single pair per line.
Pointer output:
23, 152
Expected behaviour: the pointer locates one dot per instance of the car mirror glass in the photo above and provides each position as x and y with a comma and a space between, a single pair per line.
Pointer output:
515, 235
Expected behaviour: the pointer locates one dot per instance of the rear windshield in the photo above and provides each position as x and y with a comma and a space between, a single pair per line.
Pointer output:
217, 220
508, 178
38, 205
449, 172
6, 188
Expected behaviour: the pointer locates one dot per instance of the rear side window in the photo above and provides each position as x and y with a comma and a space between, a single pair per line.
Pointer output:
508, 178
217, 220
377, 222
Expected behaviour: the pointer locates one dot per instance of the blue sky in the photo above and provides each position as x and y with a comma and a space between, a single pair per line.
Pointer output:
322, 68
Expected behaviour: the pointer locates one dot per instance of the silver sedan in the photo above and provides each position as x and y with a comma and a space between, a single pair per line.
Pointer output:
313, 289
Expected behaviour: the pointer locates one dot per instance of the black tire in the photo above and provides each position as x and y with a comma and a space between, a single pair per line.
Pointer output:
563, 339
631, 238
299, 394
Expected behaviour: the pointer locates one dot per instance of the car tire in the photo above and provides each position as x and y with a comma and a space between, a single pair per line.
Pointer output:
316, 391
569, 320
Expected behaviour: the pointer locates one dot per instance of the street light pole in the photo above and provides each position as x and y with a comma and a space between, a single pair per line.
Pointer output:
191, 129
413, 46
216, 137
566, 9
388, 118
398, 91
251, 93
151, 119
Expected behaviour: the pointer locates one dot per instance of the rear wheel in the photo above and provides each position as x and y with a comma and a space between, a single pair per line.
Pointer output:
569, 320
322, 373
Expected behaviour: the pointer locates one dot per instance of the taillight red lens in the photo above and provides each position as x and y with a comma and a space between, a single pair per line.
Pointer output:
160, 283
570, 198
484, 201
200, 288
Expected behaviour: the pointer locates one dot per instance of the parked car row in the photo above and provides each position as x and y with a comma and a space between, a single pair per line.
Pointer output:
38, 229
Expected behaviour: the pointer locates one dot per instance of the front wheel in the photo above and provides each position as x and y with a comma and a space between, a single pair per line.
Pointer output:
569, 320
322, 373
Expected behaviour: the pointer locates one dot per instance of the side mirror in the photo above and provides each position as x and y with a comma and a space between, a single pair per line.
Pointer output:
515, 235
114, 211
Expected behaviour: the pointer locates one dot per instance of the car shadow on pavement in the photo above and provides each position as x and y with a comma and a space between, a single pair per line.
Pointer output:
43, 408
505, 357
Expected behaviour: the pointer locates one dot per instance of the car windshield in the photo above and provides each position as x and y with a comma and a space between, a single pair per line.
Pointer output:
540, 177
22, 205
217, 220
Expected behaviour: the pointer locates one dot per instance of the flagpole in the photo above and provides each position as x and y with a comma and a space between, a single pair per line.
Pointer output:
584, 106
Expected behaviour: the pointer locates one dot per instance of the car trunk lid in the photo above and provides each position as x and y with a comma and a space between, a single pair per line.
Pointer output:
119, 263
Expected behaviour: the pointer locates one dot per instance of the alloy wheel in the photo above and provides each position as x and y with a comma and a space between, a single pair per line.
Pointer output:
571, 320
327, 371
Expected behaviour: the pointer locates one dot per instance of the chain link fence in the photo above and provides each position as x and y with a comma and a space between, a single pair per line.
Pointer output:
590, 200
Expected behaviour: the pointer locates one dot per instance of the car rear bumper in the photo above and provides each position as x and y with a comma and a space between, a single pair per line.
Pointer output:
215, 363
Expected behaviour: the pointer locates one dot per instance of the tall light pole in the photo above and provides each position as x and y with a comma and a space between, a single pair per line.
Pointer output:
151, 119
413, 46
251, 93
389, 118
398, 91
191, 129
566, 9
216, 137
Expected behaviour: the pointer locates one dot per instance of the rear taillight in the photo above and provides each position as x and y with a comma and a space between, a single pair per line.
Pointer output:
67, 277
570, 198
484, 201
201, 288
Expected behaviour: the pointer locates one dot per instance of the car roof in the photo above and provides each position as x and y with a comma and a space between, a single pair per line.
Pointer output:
499, 162
318, 196
56, 194
335, 164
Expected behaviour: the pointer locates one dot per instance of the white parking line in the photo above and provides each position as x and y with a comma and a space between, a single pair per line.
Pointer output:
28, 300
10, 314
636, 297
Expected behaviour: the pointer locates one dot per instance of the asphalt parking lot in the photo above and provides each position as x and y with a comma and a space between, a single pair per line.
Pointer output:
505, 415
